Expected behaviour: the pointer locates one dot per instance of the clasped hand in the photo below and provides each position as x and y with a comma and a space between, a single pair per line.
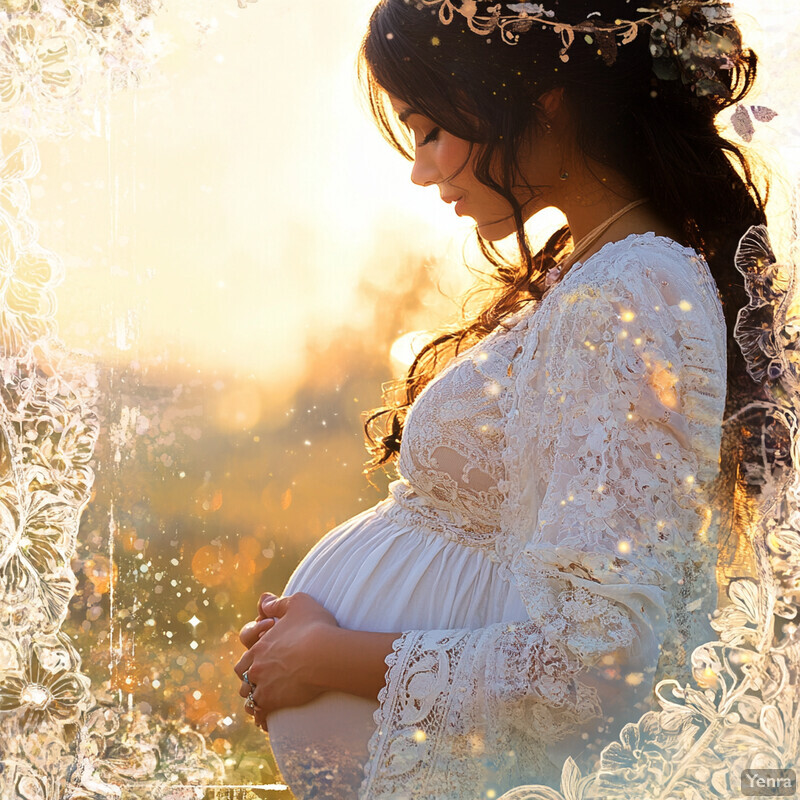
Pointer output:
283, 655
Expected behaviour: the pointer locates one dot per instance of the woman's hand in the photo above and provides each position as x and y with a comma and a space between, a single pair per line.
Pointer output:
283, 655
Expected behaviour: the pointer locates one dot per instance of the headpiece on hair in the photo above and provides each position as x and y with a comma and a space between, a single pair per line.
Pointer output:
689, 39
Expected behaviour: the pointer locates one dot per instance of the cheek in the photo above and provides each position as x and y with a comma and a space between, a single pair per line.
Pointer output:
455, 156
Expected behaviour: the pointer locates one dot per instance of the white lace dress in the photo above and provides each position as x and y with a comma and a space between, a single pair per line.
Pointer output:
549, 533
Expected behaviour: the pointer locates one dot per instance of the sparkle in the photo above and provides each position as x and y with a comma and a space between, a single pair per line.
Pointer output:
637, 340
708, 677
197, 694
194, 645
628, 316
35, 695
624, 546
194, 622
419, 735
685, 305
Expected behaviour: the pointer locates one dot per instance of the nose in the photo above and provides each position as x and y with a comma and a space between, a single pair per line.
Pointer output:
423, 173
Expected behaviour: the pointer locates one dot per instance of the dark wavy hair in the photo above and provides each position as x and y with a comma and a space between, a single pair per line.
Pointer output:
656, 133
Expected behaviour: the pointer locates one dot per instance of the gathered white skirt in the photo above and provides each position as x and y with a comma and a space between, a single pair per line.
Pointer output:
375, 574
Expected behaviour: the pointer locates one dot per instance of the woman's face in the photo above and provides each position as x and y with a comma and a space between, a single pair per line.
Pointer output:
438, 159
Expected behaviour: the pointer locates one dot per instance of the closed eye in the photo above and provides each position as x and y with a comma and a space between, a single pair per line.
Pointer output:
431, 137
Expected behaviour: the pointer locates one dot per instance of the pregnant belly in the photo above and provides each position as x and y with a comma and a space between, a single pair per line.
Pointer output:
321, 747
375, 574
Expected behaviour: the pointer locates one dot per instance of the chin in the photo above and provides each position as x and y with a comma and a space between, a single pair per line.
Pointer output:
495, 231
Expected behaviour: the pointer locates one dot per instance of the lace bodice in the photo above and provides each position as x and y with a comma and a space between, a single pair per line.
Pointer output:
450, 464
576, 450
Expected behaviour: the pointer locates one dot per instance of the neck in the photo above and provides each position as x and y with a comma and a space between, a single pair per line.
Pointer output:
591, 196
582, 221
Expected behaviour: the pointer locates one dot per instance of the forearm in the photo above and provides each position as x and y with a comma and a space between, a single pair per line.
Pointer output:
352, 661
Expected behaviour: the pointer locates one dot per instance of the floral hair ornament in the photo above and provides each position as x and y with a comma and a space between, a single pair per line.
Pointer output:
690, 40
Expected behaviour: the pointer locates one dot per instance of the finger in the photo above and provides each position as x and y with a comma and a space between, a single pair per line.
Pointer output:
261, 600
246, 633
276, 607
254, 630
260, 717
257, 711
248, 685
243, 664
245, 688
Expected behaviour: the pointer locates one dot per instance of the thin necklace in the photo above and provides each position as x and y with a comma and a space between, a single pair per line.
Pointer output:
587, 241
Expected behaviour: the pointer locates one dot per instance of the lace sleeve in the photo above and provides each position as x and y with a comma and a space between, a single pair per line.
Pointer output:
612, 433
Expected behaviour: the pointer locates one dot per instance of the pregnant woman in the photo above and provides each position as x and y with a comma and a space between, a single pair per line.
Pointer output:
548, 551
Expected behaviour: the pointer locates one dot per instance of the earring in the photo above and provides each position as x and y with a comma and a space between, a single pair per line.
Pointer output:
548, 129
564, 175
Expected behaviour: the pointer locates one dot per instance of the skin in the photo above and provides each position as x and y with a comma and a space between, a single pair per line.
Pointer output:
296, 651
295, 648
589, 196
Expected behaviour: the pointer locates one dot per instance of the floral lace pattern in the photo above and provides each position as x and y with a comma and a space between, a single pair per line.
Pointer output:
611, 408
450, 463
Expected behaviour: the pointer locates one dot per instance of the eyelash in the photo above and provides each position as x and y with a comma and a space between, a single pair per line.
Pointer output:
430, 137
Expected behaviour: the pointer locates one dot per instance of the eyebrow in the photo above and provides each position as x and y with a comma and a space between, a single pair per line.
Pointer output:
406, 113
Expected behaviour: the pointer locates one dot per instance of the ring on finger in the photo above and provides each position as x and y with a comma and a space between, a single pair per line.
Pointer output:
247, 680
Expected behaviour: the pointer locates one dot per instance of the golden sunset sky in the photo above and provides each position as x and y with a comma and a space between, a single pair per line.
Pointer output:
240, 204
